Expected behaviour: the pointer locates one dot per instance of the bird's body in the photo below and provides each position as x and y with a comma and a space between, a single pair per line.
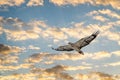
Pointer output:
78, 45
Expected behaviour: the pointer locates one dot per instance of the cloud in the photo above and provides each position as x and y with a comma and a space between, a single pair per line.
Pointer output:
65, 76
78, 30
101, 55
100, 18
55, 33
113, 3
68, 56
35, 58
67, 2
27, 76
8, 59
94, 76
77, 67
8, 54
115, 36
113, 64
49, 62
106, 12
11, 2
57, 72
34, 29
35, 2
33, 47
12, 68
117, 53
19, 30
60, 68
4, 49
50, 58
20, 34
11, 21
20, 2
54, 73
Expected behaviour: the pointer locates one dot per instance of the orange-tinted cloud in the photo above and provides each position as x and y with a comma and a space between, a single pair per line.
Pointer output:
8, 59
55, 73
4, 49
11, 2
113, 3
35, 2
35, 58
12, 68
106, 12
113, 64
117, 53
100, 18
20, 2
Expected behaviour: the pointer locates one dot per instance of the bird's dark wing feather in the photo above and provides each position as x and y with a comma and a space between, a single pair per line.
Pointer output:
63, 48
85, 41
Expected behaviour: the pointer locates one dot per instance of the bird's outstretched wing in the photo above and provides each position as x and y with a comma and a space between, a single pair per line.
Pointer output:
85, 41
63, 48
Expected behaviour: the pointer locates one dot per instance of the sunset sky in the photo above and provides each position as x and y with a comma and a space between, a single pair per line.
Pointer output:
29, 28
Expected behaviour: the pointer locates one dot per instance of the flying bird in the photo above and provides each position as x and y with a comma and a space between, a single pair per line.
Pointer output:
78, 45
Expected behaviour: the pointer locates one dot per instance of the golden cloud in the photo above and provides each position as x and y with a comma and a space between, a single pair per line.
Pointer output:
115, 36
35, 2
114, 3
11, 2
77, 67
95, 76
4, 49
35, 58
20, 2
20, 34
100, 55
36, 29
65, 76
30, 30
28, 76
67, 2
106, 12
8, 59
117, 53
12, 68
113, 64
50, 58
55, 73
55, 33
33, 47
100, 18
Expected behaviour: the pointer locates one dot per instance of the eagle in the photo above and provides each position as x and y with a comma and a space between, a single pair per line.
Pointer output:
78, 44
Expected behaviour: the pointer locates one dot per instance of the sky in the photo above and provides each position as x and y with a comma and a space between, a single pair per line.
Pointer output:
29, 28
